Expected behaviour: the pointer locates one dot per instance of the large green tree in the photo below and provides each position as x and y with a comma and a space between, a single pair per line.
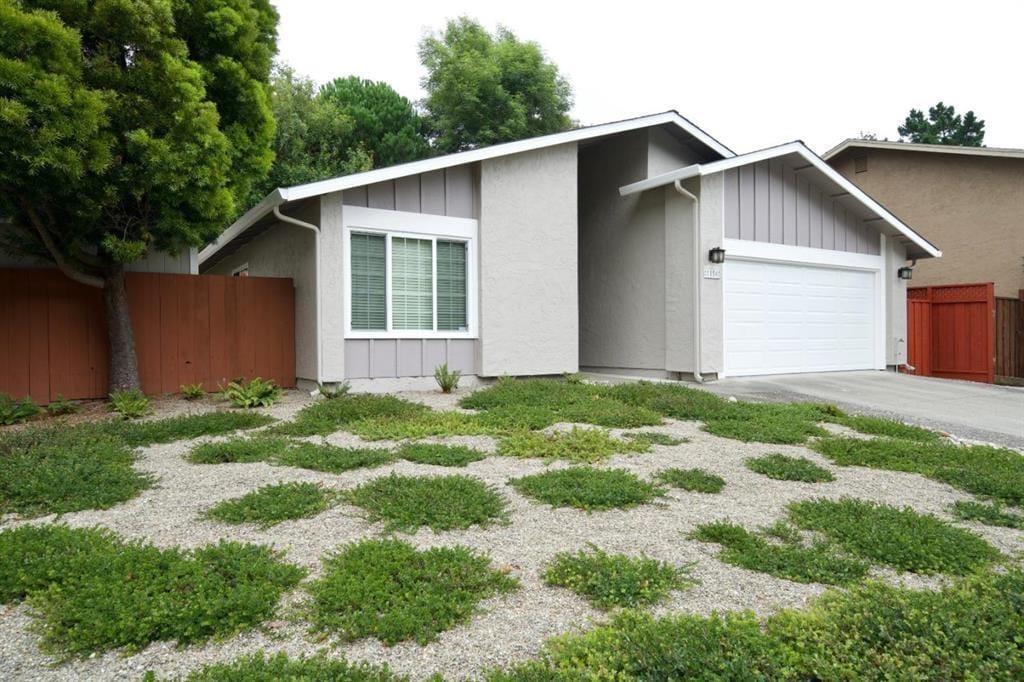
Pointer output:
943, 126
483, 89
127, 126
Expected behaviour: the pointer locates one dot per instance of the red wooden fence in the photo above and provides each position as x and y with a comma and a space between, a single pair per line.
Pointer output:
950, 331
188, 329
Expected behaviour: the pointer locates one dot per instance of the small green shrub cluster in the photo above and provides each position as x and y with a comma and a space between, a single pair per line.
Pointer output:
273, 504
91, 592
284, 452
238, 450
694, 480
61, 406
257, 392
280, 668
420, 424
991, 514
447, 379
588, 488
655, 438
789, 559
786, 468
130, 404
576, 445
193, 391
611, 580
389, 590
407, 503
338, 390
877, 426
16, 411
983, 470
439, 454
968, 630
327, 416
901, 538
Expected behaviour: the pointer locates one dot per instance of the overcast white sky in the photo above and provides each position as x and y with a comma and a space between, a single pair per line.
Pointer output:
752, 74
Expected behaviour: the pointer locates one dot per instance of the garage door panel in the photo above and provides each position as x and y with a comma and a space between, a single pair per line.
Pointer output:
782, 318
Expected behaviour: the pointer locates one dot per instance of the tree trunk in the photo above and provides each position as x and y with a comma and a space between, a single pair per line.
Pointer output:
124, 364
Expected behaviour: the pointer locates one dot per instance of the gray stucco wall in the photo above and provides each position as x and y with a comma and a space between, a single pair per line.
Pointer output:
450, 191
287, 251
332, 281
895, 305
529, 309
712, 301
770, 202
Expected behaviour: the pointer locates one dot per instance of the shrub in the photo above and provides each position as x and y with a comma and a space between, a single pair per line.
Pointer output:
587, 488
992, 514
447, 379
332, 459
62, 406
876, 426
694, 480
130, 404
92, 592
319, 668
407, 503
272, 504
327, 416
786, 468
818, 563
607, 581
439, 454
16, 411
577, 445
338, 390
901, 538
655, 438
256, 393
979, 469
389, 590
193, 391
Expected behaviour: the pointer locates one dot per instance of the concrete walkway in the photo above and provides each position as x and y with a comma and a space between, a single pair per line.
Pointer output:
993, 414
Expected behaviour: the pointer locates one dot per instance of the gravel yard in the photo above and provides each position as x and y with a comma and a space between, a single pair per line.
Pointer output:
508, 628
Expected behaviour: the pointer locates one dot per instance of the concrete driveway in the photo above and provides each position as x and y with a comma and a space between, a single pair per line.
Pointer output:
993, 414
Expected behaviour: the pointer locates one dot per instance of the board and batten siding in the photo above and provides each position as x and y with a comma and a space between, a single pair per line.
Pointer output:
393, 358
448, 192
769, 201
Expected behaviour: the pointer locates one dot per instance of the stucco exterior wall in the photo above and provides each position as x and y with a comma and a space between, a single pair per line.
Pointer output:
895, 305
332, 280
287, 251
529, 311
971, 207
712, 301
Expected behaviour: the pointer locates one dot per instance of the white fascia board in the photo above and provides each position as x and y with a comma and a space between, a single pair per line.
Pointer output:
268, 204
782, 150
998, 152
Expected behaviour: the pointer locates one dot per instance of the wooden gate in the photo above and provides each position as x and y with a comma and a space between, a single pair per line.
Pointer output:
950, 331
188, 329
1010, 339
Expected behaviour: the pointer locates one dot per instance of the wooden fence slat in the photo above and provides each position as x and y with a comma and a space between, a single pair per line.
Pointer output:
1009, 360
39, 351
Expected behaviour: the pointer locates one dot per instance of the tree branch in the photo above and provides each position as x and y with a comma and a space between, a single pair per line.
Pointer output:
55, 253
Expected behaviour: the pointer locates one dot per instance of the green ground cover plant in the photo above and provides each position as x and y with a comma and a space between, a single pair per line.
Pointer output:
982, 470
332, 459
901, 538
408, 503
588, 488
877, 426
787, 468
967, 630
439, 454
655, 438
388, 590
130, 404
273, 504
16, 411
694, 480
577, 445
257, 392
789, 558
280, 668
988, 513
88, 589
326, 416
615, 580
61, 406
420, 424
143, 433
246, 449
193, 391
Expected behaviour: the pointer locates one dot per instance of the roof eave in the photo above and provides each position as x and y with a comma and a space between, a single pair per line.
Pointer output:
248, 219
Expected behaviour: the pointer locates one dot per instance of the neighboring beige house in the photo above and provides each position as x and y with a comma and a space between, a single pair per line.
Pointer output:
968, 199
599, 248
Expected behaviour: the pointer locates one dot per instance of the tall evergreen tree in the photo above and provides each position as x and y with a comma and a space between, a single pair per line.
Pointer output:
943, 126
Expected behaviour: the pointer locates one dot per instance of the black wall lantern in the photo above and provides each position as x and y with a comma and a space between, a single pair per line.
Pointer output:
716, 255
905, 273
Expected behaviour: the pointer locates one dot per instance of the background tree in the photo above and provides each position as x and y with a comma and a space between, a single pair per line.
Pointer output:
943, 126
125, 126
483, 89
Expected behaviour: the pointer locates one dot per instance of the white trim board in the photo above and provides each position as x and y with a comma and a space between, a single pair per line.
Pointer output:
997, 152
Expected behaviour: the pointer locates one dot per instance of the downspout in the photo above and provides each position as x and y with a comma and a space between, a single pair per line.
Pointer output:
695, 202
319, 289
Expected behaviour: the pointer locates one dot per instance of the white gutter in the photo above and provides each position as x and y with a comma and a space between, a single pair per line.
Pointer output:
695, 202
316, 254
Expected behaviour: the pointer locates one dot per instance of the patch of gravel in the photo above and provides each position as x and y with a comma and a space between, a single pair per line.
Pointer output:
508, 628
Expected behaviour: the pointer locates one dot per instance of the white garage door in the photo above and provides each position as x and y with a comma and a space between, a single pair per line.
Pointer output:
782, 318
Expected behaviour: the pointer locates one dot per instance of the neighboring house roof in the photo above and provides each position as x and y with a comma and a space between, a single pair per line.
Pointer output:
998, 152
812, 160
283, 195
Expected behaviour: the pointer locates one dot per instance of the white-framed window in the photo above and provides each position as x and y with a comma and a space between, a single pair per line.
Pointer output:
409, 275
241, 271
